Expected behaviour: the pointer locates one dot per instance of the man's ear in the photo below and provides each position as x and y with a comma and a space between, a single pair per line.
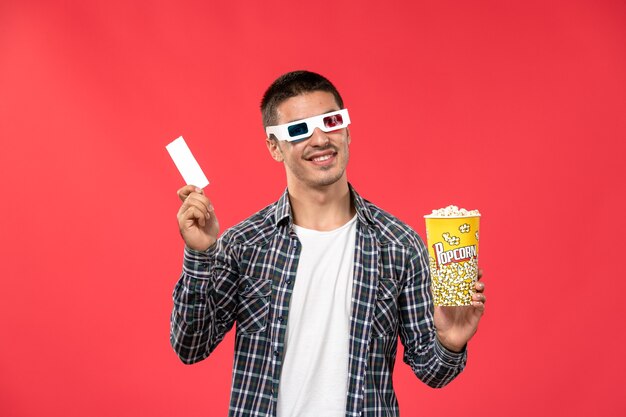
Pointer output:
274, 148
348, 132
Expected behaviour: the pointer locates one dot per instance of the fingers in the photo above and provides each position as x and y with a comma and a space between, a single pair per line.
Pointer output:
200, 202
196, 206
193, 213
480, 273
478, 298
196, 199
184, 192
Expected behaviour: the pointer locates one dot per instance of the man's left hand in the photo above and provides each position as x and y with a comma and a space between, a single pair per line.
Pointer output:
456, 325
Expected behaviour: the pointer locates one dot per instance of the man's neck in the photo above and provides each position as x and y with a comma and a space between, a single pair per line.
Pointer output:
324, 208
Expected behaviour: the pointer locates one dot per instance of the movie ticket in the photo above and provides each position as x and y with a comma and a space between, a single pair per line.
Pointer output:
186, 163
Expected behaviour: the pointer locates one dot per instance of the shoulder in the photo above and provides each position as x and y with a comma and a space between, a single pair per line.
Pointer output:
254, 230
390, 229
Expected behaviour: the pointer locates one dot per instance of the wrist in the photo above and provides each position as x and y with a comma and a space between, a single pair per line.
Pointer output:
198, 248
199, 245
450, 345
201, 250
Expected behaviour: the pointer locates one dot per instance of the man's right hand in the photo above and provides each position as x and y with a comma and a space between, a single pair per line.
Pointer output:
197, 222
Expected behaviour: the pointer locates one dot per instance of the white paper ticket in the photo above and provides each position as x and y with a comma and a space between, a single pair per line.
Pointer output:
186, 163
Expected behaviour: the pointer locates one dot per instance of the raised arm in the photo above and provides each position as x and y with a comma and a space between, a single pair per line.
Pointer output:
205, 294
433, 364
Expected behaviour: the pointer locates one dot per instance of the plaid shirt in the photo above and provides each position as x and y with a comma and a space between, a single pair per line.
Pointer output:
248, 277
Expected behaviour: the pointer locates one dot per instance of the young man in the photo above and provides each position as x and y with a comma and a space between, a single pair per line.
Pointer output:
320, 283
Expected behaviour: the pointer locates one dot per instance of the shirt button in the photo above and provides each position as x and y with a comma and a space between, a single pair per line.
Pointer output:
275, 353
280, 319
288, 282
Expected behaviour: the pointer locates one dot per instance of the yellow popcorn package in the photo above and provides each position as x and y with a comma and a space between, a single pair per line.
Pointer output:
452, 236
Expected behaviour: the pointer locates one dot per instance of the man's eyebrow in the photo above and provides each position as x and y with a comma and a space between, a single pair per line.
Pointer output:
306, 118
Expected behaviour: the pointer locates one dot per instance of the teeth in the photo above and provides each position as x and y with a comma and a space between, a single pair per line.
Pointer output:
322, 158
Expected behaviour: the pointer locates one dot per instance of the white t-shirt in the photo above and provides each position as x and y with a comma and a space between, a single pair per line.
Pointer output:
314, 378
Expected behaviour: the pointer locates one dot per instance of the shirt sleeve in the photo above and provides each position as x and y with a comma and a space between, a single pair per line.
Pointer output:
205, 302
431, 362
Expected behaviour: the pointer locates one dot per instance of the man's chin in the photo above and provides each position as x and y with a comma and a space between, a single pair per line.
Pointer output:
327, 181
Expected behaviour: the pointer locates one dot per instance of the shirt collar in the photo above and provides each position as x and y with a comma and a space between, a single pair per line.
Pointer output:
362, 210
283, 208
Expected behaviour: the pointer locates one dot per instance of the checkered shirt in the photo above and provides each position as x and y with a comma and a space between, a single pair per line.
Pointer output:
248, 277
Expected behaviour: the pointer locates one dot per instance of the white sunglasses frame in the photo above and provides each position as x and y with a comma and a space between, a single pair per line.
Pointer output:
282, 131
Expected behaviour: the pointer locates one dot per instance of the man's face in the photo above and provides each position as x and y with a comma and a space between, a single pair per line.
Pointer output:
319, 160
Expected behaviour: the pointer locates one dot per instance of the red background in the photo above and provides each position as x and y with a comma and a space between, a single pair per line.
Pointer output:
515, 108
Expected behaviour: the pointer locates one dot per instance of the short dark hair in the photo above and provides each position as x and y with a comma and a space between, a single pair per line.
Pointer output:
293, 84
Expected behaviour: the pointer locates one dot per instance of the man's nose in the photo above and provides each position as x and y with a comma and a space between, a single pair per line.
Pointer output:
318, 138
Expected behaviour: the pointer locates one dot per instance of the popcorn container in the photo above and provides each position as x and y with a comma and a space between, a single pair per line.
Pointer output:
453, 256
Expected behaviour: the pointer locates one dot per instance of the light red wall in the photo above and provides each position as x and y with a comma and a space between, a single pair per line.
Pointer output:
515, 108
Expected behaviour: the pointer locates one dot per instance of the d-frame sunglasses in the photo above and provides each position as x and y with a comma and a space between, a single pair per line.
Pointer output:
302, 129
